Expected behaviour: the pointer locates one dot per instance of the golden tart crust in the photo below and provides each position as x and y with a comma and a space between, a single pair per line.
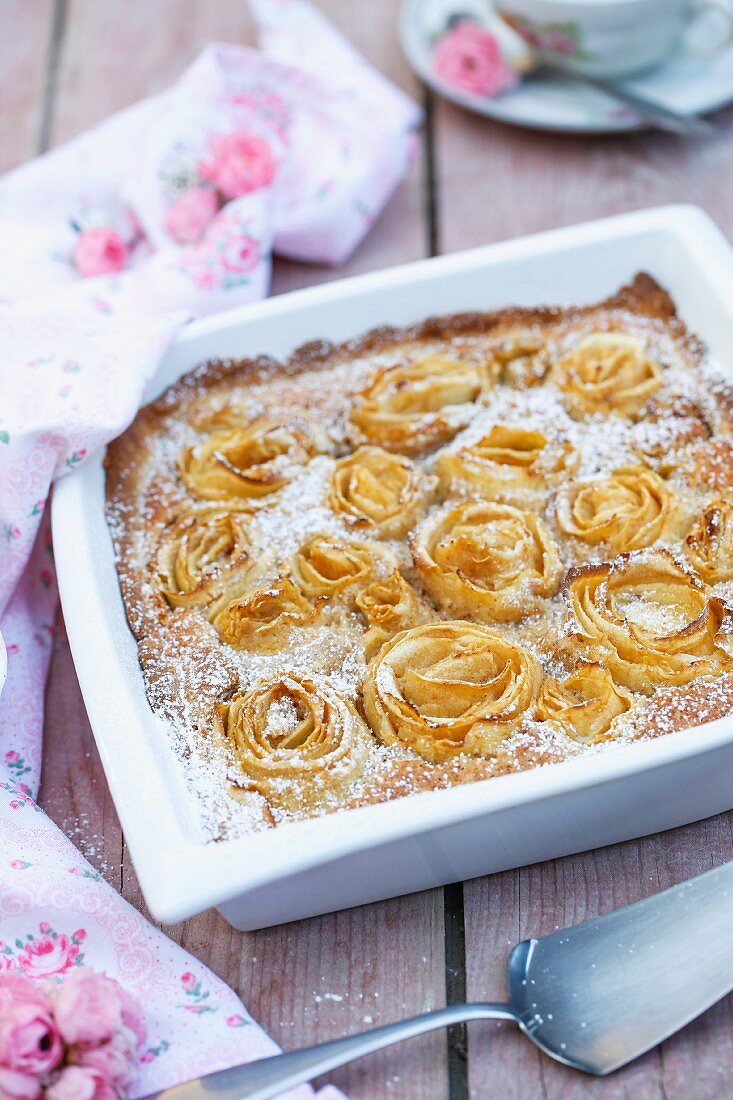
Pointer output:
430, 555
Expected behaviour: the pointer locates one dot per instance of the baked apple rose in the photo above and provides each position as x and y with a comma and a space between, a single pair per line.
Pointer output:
629, 510
414, 407
648, 620
448, 688
202, 554
709, 545
328, 567
263, 618
297, 742
245, 464
490, 562
374, 489
608, 372
585, 704
509, 464
389, 605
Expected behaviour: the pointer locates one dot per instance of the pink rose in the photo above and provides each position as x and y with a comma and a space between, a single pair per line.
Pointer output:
91, 1008
18, 1086
46, 956
468, 58
188, 980
30, 1042
12, 757
113, 1060
99, 252
7, 962
242, 254
81, 1083
188, 216
238, 164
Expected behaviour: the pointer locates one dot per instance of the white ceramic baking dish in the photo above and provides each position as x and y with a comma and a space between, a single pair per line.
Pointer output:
380, 851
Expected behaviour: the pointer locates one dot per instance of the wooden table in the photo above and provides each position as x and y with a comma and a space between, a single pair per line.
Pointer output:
64, 65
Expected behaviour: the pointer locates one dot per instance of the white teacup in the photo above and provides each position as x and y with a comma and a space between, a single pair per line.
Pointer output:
615, 38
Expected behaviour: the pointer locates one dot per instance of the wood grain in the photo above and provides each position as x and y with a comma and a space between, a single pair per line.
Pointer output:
495, 182
321, 978
26, 29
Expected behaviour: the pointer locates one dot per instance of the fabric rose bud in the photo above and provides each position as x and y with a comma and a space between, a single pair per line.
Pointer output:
297, 742
608, 372
99, 252
200, 556
417, 406
648, 620
238, 163
510, 464
709, 545
629, 510
245, 464
488, 562
389, 606
448, 688
187, 218
585, 704
262, 619
330, 567
469, 59
30, 1042
379, 491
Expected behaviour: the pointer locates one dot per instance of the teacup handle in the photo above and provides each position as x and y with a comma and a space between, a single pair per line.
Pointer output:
698, 8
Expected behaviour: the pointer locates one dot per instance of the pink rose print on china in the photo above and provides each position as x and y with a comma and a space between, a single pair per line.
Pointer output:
238, 163
469, 59
50, 954
99, 252
189, 215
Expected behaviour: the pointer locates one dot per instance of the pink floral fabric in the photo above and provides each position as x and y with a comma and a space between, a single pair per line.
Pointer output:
168, 210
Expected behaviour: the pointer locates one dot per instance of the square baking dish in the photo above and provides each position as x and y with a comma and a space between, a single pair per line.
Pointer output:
362, 855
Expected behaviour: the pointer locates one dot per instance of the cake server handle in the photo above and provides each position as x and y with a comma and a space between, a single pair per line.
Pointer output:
270, 1077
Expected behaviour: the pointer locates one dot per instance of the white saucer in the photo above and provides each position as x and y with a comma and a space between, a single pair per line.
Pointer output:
559, 103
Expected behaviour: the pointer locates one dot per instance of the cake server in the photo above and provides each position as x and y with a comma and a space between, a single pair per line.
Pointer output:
594, 996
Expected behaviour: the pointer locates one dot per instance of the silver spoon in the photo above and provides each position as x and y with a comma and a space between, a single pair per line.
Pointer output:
594, 996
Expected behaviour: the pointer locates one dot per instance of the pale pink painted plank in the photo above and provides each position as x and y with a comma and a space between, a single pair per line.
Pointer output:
26, 32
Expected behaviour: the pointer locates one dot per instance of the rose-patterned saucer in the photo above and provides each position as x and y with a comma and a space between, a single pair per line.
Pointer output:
559, 103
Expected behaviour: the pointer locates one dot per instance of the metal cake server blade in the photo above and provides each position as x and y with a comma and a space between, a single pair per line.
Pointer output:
594, 996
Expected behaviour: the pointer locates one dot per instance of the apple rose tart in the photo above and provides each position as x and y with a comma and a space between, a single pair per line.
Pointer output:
510, 464
389, 605
487, 561
327, 567
245, 464
200, 556
298, 742
417, 406
378, 490
448, 688
709, 544
630, 509
585, 703
648, 620
262, 619
608, 372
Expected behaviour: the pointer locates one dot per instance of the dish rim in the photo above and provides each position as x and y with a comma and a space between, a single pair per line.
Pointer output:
182, 875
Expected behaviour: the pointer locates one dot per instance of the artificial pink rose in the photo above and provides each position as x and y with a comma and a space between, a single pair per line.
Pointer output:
30, 1042
18, 1086
48, 956
99, 252
188, 216
81, 1083
239, 163
469, 58
241, 255
114, 1060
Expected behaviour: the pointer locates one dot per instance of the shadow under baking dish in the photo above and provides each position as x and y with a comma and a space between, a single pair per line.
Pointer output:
357, 856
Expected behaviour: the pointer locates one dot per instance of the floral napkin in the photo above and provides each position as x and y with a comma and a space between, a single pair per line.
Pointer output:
168, 210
